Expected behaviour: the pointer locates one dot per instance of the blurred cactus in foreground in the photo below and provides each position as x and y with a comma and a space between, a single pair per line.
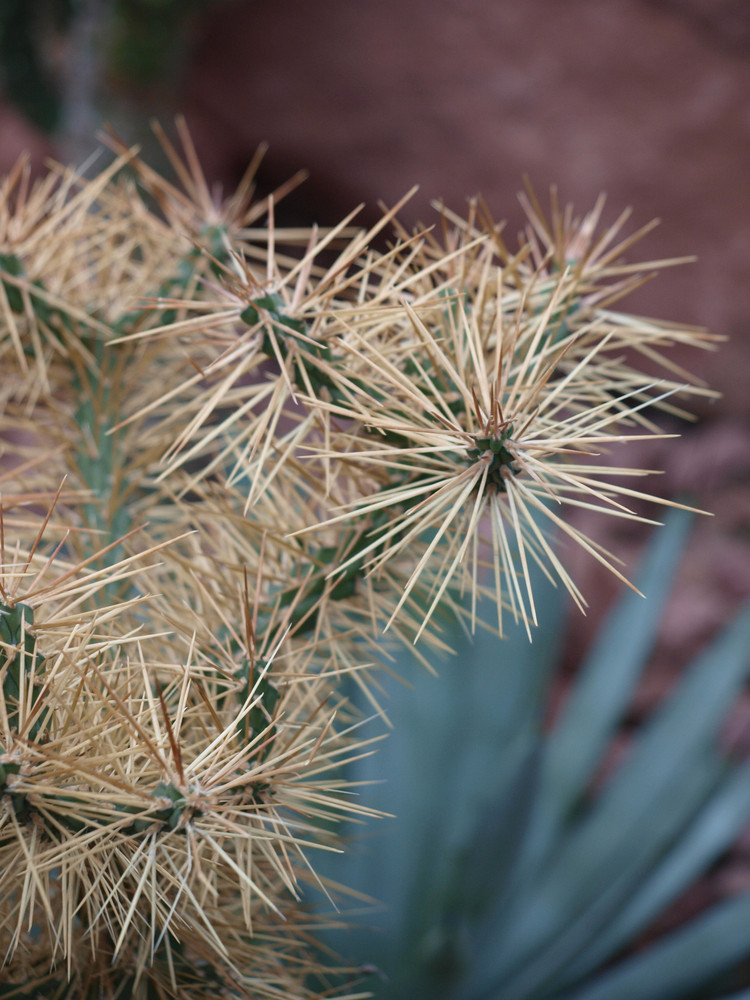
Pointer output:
233, 456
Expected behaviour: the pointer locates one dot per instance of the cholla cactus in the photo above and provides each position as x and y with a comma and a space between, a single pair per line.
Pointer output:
272, 445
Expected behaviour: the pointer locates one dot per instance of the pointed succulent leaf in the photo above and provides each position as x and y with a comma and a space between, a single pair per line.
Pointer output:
606, 681
682, 963
719, 822
587, 888
626, 818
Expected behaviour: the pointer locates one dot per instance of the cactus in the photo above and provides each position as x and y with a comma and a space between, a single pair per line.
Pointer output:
242, 466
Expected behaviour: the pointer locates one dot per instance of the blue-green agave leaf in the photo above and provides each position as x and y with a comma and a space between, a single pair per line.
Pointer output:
562, 918
605, 684
630, 821
681, 963
719, 822
457, 770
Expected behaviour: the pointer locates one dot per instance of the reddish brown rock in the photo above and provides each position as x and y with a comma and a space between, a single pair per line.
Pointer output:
18, 137
647, 102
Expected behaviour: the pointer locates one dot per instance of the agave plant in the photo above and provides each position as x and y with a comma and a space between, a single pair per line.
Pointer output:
508, 872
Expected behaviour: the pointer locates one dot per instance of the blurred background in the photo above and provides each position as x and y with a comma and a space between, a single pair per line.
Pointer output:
646, 100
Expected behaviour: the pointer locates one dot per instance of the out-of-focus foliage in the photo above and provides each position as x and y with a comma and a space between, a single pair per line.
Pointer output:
511, 871
128, 44
27, 77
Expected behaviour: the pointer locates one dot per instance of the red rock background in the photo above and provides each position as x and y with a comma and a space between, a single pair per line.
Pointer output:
648, 100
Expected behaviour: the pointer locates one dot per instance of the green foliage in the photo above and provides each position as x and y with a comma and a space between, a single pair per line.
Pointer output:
145, 42
506, 874
26, 78
20, 665
148, 36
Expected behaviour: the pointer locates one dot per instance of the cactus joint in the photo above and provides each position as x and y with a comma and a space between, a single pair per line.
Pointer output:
502, 463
